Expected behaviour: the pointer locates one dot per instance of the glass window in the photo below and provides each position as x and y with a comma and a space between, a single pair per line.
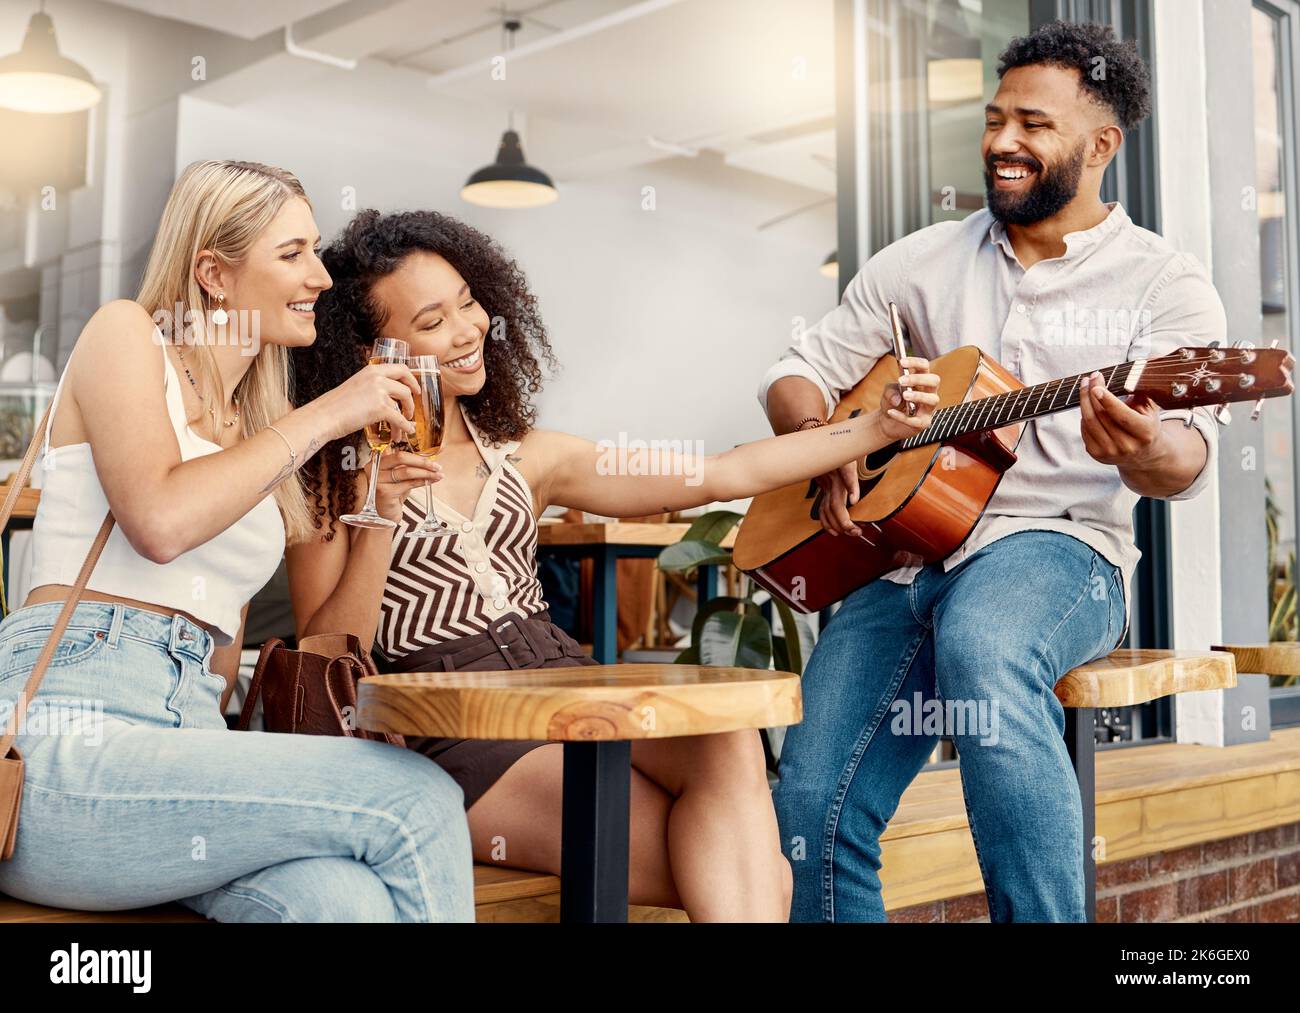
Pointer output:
963, 43
1271, 29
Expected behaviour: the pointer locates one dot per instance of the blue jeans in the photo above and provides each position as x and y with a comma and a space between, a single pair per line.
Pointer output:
973, 653
137, 793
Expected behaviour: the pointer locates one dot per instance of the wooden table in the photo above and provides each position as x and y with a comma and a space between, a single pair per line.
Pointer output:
597, 711
606, 543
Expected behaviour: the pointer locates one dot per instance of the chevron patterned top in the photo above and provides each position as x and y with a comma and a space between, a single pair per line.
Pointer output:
440, 589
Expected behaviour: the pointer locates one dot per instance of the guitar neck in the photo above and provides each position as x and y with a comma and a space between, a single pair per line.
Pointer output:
1014, 406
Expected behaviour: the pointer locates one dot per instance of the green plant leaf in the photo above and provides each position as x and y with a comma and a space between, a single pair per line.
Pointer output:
780, 656
798, 638
733, 640
722, 603
687, 555
712, 526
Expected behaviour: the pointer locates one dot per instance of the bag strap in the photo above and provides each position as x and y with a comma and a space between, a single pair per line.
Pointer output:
16, 485
255, 686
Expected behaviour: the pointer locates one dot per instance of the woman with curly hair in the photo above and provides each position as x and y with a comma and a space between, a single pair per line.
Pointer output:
703, 831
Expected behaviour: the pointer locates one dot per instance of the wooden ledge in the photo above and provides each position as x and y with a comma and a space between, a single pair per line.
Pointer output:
1149, 799
500, 895
1127, 677
1277, 658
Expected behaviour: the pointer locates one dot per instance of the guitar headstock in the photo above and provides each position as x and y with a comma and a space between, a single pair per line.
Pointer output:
1213, 376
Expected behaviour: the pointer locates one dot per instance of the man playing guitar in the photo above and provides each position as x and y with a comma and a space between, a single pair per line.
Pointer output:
1050, 281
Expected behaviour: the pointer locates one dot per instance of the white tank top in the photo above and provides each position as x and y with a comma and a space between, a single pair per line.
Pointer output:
211, 582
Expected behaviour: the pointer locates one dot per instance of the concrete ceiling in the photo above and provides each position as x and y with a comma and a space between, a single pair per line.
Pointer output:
603, 85
247, 19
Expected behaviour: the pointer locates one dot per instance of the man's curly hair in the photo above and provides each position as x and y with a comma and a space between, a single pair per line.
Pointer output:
1110, 71
349, 319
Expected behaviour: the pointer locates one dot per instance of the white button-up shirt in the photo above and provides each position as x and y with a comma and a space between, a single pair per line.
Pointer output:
1118, 292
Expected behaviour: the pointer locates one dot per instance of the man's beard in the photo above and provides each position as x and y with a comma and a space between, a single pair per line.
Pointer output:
1051, 192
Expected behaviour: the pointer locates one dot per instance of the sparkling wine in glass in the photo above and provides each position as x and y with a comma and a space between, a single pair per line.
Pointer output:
380, 438
427, 438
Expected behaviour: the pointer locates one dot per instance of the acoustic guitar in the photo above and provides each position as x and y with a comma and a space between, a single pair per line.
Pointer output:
921, 497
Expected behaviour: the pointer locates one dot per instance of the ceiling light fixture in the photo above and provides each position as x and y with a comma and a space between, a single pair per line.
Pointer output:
40, 79
509, 182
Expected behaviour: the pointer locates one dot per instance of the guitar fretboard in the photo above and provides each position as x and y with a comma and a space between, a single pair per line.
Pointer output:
1013, 406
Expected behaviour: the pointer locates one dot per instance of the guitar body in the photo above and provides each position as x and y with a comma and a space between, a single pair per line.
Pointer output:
916, 507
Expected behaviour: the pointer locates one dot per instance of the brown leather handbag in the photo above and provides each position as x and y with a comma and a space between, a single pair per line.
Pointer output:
11, 760
313, 690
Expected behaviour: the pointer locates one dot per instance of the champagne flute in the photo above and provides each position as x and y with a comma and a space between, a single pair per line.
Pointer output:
379, 436
427, 438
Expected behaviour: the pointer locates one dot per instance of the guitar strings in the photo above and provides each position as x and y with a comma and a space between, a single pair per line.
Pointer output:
986, 412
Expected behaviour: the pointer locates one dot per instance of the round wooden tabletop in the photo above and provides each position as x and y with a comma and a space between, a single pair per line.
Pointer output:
580, 703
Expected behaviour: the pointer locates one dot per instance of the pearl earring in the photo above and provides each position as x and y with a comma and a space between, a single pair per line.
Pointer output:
219, 315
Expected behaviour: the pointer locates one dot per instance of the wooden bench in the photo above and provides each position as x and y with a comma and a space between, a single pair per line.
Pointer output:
500, 895
1122, 679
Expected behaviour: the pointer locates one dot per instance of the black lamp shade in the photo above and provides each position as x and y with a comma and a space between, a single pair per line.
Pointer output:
509, 182
39, 79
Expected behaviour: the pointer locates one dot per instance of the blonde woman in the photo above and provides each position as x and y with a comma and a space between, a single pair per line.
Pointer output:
703, 830
182, 424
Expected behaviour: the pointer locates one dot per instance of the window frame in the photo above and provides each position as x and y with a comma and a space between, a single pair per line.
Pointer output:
1284, 704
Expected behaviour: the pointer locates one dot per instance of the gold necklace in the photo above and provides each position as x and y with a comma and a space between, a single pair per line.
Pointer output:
202, 400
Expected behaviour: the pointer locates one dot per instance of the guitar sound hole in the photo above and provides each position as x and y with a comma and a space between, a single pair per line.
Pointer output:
877, 461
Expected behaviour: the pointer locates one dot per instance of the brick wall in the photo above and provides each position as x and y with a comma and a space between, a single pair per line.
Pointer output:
1251, 878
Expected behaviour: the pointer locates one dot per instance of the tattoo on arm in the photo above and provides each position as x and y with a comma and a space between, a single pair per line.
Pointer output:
279, 477
840, 432
290, 468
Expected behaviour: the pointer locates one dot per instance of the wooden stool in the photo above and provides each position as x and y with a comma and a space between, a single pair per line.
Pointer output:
596, 711
1121, 679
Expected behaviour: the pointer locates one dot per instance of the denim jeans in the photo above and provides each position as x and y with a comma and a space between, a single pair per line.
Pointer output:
137, 793
973, 653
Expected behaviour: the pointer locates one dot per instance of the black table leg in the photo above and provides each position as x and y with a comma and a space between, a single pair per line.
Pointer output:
594, 837
1080, 741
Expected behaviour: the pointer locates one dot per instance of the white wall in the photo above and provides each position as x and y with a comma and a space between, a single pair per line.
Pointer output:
1186, 223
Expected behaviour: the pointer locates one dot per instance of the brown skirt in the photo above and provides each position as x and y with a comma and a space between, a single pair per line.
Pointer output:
510, 642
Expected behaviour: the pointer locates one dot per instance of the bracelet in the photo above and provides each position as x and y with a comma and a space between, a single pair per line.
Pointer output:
293, 454
804, 422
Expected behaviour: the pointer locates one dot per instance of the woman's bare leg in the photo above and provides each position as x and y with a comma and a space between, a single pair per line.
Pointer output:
703, 830
517, 823
723, 843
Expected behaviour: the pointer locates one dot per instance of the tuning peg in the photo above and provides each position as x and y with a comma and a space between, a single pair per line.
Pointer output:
1247, 351
1222, 415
